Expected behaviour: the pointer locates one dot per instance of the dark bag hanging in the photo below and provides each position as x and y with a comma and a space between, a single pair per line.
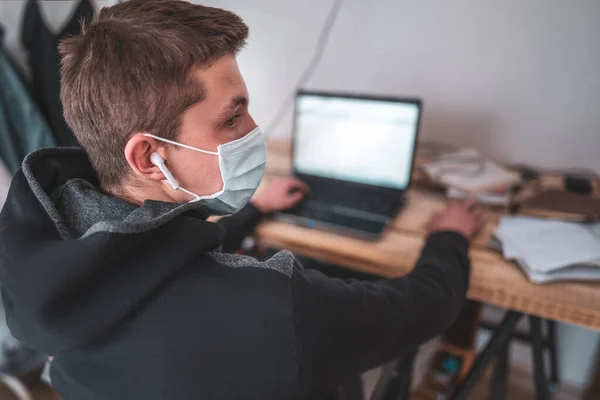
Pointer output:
22, 127
44, 63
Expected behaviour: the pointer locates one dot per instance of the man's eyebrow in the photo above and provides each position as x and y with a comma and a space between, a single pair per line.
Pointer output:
235, 103
238, 101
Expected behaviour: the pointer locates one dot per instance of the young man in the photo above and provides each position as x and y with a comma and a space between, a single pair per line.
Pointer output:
109, 265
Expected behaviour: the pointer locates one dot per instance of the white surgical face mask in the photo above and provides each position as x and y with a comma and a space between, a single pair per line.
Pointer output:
242, 163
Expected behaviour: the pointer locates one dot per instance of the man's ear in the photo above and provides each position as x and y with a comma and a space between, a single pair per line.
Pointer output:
137, 153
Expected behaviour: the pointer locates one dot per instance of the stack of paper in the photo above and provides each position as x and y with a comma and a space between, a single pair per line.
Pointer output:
469, 171
549, 250
493, 199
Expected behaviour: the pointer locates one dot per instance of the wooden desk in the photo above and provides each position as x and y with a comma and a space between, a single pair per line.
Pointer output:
493, 279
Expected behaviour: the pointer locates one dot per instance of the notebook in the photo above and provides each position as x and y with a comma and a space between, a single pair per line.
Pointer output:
559, 204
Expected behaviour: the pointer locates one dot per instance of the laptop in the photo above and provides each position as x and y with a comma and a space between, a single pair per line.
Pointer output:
356, 154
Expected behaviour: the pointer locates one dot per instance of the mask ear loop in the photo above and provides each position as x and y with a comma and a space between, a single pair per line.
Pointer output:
196, 197
214, 153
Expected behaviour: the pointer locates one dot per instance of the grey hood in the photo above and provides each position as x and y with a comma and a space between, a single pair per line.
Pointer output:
64, 245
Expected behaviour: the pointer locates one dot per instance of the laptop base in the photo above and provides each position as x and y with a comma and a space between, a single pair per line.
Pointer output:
337, 219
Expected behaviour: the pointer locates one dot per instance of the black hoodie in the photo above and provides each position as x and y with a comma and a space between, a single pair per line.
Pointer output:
138, 302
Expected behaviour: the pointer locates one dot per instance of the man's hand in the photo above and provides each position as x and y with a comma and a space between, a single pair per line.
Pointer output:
282, 193
465, 218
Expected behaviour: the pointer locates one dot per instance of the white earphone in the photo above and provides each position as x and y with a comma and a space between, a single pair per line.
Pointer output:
157, 160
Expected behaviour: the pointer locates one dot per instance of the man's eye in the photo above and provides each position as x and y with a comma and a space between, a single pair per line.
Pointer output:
231, 121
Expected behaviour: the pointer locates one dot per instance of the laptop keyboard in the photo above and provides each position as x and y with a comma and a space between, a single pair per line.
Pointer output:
367, 201
312, 212
361, 210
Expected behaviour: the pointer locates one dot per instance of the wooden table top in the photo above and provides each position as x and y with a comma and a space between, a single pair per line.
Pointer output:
494, 280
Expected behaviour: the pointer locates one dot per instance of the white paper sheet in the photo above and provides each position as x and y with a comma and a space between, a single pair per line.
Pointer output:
549, 250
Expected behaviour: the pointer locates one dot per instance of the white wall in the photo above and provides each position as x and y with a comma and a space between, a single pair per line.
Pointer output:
518, 79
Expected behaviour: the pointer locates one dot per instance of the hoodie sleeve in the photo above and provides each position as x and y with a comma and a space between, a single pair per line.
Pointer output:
238, 226
349, 326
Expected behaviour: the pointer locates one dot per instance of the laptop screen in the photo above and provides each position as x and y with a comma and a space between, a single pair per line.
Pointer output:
367, 141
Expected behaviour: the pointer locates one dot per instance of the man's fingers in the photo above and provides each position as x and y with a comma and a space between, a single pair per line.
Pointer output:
470, 203
476, 210
433, 220
435, 217
296, 184
479, 220
306, 188
285, 184
294, 199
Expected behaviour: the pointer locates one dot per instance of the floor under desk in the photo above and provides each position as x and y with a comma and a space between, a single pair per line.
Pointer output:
519, 387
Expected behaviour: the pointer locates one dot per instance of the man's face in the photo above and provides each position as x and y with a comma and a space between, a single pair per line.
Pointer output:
222, 116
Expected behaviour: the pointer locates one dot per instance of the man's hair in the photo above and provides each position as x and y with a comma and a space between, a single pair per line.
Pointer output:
130, 71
